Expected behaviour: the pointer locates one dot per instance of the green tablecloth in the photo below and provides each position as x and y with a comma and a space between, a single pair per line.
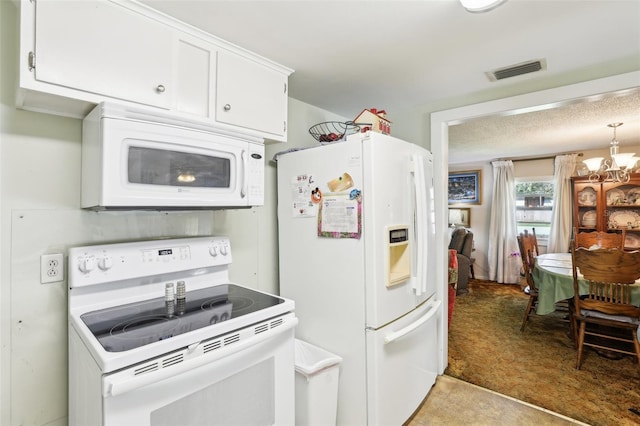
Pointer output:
553, 276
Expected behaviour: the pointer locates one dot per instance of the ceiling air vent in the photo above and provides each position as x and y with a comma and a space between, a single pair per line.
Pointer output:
517, 69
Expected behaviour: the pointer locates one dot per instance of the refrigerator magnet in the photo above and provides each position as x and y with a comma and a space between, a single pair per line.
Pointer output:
341, 183
316, 195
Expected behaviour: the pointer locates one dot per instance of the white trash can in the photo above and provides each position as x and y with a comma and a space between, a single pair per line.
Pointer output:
317, 372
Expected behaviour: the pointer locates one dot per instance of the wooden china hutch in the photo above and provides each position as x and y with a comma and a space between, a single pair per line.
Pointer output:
608, 206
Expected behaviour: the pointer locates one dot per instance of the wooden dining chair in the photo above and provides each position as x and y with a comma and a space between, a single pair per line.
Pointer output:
534, 240
600, 239
609, 273
527, 246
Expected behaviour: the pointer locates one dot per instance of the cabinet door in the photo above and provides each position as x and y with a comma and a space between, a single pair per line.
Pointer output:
623, 211
194, 71
251, 95
103, 48
588, 209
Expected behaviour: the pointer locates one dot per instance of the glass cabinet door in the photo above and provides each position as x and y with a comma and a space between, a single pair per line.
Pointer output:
587, 205
622, 212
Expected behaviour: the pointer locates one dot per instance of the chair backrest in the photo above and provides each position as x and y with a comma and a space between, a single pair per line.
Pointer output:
534, 240
527, 246
462, 241
609, 274
600, 239
467, 248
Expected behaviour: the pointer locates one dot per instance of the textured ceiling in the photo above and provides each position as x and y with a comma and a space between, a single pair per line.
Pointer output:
404, 55
569, 128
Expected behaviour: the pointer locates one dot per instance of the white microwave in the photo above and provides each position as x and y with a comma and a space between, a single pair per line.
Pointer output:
134, 159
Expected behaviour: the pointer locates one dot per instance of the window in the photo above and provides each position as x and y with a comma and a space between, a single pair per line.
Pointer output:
534, 200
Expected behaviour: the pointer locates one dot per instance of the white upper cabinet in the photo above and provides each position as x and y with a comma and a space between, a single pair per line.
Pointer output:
195, 63
251, 95
102, 48
75, 54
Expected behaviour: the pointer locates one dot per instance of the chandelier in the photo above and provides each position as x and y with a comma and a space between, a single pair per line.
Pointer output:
616, 169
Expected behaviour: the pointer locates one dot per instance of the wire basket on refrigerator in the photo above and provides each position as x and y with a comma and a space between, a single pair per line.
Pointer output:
333, 131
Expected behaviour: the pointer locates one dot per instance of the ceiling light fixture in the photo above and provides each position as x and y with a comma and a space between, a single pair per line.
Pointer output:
479, 6
617, 169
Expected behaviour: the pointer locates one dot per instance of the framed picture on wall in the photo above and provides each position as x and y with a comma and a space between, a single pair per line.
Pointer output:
464, 187
460, 217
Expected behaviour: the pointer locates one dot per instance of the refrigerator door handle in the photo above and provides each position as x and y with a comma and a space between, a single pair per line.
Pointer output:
420, 284
391, 337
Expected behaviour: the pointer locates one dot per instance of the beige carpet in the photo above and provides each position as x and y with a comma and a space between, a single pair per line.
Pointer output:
486, 348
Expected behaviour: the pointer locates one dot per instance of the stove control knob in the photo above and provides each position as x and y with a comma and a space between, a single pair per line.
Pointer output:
223, 250
86, 264
105, 263
213, 251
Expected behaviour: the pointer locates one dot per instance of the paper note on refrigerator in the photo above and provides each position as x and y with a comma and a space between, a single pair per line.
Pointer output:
339, 217
302, 196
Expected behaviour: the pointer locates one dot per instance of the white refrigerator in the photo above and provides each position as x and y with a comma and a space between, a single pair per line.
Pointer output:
355, 232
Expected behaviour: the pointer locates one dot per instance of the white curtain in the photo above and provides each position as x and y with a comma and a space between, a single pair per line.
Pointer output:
504, 265
561, 221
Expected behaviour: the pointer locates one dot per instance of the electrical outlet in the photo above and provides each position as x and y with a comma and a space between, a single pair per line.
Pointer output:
51, 268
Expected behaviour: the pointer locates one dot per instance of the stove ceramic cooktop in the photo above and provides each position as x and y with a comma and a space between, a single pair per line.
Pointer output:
130, 326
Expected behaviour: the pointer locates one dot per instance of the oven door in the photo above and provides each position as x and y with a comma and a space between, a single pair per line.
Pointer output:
142, 164
243, 378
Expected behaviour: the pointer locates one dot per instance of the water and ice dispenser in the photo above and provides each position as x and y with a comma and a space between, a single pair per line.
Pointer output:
398, 255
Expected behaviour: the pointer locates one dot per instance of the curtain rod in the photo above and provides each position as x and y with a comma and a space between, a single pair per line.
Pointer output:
579, 154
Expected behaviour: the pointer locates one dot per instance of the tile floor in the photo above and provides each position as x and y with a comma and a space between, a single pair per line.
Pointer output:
454, 402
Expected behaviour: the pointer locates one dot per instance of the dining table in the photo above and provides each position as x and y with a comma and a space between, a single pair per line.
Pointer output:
553, 275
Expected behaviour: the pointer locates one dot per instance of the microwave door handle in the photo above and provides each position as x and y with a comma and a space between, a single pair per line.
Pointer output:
243, 190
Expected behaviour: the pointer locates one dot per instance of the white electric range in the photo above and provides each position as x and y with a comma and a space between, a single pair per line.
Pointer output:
159, 336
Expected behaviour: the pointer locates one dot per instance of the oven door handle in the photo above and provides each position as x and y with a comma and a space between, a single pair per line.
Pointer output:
114, 385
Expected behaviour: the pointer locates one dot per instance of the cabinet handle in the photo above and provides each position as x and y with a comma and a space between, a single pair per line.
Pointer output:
160, 88
32, 61
227, 107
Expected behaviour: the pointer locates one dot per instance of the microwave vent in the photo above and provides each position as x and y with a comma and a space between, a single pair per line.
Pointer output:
517, 69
